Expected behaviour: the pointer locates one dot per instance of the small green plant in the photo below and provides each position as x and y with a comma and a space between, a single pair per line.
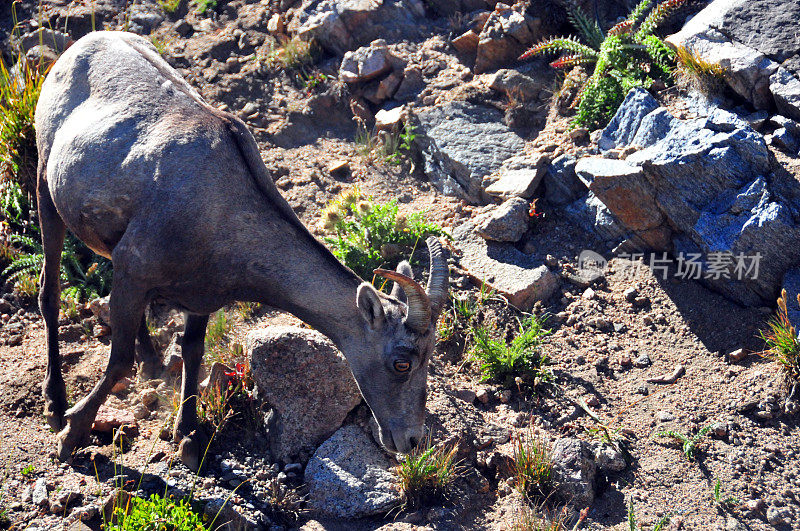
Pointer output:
169, 6
28, 470
201, 6
366, 235
781, 340
660, 524
400, 144
216, 405
721, 499
18, 97
427, 473
156, 513
688, 444
312, 80
246, 310
521, 357
159, 44
216, 334
532, 465
628, 55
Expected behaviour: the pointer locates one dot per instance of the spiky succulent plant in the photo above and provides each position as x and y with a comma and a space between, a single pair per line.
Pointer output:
628, 55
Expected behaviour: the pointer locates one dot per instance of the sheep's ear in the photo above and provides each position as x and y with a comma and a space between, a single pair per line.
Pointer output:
404, 268
369, 303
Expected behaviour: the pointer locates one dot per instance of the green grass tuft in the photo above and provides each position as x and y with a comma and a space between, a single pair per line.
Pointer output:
427, 473
532, 466
521, 357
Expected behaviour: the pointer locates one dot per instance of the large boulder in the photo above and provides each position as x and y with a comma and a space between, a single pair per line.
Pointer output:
519, 277
707, 180
308, 383
350, 477
342, 25
462, 143
757, 44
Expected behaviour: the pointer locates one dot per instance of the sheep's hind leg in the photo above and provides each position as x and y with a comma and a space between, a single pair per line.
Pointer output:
127, 307
193, 439
53, 232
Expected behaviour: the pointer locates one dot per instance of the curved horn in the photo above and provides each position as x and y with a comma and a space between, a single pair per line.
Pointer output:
418, 317
439, 279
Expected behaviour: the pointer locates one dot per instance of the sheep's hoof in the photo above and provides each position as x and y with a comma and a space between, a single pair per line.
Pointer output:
192, 449
68, 439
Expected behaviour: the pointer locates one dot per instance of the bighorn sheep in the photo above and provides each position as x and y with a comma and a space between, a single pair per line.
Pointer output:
141, 169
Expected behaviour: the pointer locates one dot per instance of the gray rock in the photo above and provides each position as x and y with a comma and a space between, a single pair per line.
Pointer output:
785, 89
349, 477
511, 82
519, 176
706, 180
609, 459
791, 283
574, 471
343, 25
461, 143
506, 34
308, 383
365, 63
223, 512
39, 494
757, 45
507, 222
561, 184
521, 278
590, 212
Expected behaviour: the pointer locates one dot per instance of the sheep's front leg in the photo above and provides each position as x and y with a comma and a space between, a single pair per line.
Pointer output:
193, 439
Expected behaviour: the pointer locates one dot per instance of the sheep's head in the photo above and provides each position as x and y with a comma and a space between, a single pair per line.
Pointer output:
391, 364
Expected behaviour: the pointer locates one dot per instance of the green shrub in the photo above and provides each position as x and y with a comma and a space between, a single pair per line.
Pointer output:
427, 473
781, 341
521, 357
366, 235
85, 276
156, 514
628, 55
18, 97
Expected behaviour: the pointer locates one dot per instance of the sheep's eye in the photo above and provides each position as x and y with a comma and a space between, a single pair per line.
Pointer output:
402, 365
